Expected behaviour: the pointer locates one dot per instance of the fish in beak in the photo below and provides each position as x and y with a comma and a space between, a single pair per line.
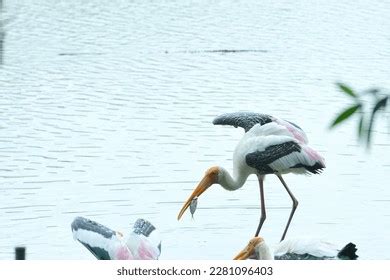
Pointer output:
193, 205
249, 250
210, 178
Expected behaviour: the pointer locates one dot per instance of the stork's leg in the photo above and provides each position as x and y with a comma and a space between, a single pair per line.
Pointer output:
294, 207
263, 215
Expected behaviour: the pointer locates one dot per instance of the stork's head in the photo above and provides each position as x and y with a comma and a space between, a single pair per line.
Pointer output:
252, 249
210, 178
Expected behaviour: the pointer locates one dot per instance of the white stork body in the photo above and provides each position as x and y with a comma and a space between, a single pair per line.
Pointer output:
270, 146
105, 244
260, 138
297, 249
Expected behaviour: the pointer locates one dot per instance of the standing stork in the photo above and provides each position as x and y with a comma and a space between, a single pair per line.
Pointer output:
106, 244
270, 146
297, 249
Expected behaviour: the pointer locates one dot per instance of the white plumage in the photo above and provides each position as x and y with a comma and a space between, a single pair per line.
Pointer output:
313, 246
259, 138
96, 240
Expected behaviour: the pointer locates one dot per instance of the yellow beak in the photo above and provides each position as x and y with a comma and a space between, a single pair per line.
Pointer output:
244, 254
206, 182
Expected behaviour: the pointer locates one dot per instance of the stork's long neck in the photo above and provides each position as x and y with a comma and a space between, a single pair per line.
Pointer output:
231, 183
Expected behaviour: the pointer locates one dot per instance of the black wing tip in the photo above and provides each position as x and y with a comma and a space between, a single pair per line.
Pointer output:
217, 120
78, 223
142, 226
81, 223
220, 119
317, 171
317, 168
348, 252
245, 120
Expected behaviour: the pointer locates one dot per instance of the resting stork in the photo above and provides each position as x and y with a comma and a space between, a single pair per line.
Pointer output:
297, 249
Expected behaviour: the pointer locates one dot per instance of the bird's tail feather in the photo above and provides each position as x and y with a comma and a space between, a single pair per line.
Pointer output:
348, 252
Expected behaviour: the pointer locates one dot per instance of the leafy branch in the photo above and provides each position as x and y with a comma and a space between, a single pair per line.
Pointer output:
366, 120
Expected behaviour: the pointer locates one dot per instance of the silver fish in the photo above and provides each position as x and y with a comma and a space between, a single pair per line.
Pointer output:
193, 205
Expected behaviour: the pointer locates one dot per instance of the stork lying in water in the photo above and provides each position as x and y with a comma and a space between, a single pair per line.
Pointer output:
297, 249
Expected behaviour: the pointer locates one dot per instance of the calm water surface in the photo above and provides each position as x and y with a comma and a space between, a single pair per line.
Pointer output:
106, 112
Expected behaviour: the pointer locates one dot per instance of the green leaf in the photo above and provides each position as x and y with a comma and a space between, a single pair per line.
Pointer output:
345, 115
346, 89
360, 127
380, 104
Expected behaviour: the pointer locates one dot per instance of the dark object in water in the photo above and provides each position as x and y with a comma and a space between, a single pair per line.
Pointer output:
20, 253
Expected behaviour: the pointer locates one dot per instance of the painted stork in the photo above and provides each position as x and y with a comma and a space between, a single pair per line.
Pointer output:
106, 244
297, 249
269, 146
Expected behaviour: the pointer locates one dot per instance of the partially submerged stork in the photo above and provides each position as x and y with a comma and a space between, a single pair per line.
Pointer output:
297, 249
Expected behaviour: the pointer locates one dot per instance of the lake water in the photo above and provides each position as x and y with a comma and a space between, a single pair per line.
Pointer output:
106, 113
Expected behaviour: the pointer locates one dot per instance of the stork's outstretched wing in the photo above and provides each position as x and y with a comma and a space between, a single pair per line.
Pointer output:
246, 120
98, 239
